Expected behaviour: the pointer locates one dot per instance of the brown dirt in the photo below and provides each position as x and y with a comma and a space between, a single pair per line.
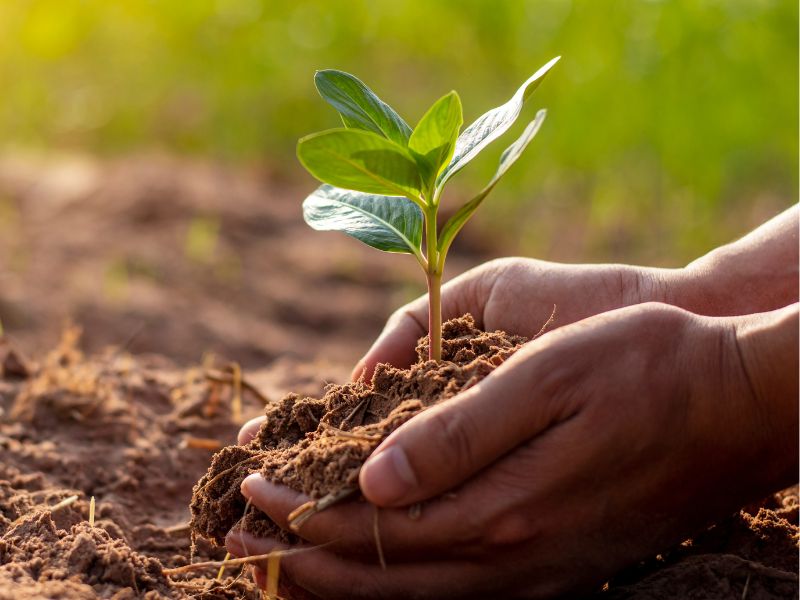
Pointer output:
180, 257
110, 245
752, 554
115, 427
317, 446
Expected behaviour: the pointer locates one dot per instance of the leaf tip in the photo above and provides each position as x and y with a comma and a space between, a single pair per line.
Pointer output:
551, 63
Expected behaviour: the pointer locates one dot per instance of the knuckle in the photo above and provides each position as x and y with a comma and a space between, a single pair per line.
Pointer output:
496, 264
653, 317
506, 531
405, 316
398, 316
469, 534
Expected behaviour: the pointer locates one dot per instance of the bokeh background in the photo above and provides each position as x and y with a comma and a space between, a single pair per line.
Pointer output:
672, 127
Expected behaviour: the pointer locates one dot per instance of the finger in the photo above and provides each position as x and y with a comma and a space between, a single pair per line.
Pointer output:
397, 342
259, 576
328, 575
448, 443
249, 430
446, 527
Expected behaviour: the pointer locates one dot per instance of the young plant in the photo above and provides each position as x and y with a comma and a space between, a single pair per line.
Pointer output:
383, 181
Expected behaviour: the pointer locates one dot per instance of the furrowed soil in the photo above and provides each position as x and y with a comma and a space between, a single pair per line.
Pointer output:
196, 289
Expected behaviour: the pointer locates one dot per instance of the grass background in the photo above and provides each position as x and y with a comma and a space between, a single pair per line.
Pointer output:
672, 125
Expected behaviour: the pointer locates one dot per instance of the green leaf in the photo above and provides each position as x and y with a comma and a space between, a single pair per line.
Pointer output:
388, 223
433, 139
492, 125
359, 107
508, 158
360, 160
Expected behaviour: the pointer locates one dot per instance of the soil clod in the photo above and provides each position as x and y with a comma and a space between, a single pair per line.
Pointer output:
317, 446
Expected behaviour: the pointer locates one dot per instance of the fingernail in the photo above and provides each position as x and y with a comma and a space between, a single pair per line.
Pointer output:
251, 483
387, 477
233, 543
358, 371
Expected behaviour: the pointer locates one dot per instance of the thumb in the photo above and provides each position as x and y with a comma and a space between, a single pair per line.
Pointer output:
397, 342
448, 443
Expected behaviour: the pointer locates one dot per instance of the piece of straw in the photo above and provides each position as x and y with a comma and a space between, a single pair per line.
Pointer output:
198, 443
215, 376
91, 512
308, 509
64, 503
234, 562
376, 531
546, 323
273, 574
236, 403
222, 566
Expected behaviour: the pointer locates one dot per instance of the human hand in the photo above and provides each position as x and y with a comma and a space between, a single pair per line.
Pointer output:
590, 448
754, 274
517, 295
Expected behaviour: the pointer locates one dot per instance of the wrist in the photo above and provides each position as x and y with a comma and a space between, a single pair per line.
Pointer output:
729, 282
742, 415
768, 348
650, 284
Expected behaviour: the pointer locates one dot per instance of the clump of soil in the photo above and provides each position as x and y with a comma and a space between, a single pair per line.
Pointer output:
115, 427
750, 555
317, 445
39, 558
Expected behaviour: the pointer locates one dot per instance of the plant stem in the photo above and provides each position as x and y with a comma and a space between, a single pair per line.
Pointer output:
434, 277
435, 316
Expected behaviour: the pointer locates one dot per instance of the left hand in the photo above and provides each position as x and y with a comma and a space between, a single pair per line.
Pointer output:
593, 446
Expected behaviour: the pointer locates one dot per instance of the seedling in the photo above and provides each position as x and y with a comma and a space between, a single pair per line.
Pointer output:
383, 181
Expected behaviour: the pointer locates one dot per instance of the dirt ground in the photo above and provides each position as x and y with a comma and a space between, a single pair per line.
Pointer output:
174, 271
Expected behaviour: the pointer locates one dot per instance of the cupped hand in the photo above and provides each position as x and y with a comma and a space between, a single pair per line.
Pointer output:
592, 447
517, 295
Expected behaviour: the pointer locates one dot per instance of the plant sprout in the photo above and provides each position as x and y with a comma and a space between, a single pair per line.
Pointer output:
383, 181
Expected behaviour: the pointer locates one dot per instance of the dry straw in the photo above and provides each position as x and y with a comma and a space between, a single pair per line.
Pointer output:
64, 503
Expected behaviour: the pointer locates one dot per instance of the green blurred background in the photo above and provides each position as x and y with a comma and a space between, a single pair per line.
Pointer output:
672, 126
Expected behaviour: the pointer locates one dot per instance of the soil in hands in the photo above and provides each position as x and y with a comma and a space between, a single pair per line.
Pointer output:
317, 445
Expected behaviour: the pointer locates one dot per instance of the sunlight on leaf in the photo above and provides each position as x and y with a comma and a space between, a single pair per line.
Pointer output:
359, 160
388, 223
359, 107
492, 124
